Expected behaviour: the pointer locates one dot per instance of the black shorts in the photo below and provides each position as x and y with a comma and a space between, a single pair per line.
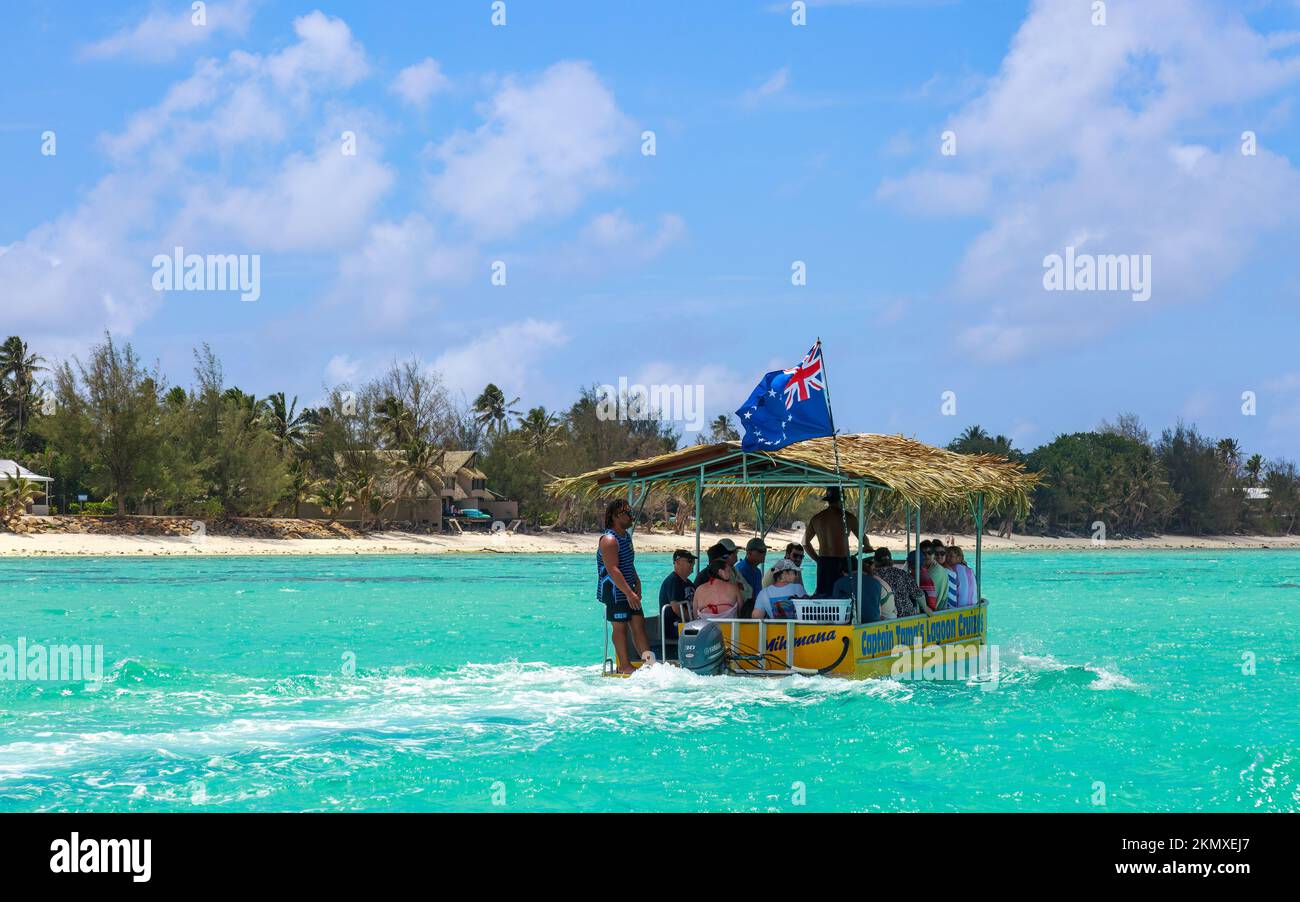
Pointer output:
617, 609
829, 570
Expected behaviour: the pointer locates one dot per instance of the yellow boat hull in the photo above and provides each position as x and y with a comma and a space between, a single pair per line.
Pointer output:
855, 652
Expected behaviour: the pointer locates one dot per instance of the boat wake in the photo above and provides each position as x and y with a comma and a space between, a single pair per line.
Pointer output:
1046, 671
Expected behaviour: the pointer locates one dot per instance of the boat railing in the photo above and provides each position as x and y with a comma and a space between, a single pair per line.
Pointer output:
663, 628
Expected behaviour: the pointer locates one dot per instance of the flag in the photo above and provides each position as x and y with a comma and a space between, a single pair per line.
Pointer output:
788, 406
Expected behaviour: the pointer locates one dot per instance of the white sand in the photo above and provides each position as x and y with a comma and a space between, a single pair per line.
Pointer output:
548, 543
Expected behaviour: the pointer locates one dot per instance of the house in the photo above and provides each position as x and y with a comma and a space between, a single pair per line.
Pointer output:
10, 469
419, 506
464, 487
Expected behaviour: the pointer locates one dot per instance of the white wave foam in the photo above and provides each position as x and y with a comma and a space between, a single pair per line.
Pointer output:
1108, 678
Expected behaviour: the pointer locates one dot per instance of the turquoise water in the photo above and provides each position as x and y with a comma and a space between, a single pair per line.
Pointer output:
476, 680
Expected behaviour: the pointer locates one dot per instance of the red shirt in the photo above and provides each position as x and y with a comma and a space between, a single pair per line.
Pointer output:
927, 586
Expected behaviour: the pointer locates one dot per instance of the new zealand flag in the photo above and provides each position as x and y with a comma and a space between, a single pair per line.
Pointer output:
788, 406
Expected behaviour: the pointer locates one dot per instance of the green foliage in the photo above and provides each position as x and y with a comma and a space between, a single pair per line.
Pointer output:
1106, 477
494, 411
112, 428
118, 397
92, 508
1205, 475
19, 399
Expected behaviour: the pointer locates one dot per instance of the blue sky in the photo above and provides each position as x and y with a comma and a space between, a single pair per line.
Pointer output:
775, 143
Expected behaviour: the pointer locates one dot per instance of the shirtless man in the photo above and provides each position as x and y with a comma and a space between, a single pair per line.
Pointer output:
832, 543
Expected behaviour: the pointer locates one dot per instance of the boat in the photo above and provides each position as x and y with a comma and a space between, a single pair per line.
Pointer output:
877, 473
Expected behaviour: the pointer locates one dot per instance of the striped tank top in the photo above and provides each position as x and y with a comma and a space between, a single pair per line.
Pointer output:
953, 590
625, 557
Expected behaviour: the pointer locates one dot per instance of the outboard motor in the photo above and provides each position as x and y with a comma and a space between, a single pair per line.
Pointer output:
700, 648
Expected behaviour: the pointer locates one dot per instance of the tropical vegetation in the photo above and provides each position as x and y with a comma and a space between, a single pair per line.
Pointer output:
110, 426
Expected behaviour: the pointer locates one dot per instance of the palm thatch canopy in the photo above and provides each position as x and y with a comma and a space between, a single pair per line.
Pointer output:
911, 471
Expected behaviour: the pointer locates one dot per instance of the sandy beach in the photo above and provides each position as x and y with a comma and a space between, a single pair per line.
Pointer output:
66, 544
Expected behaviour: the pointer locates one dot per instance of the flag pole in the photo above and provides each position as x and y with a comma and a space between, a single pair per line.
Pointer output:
844, 517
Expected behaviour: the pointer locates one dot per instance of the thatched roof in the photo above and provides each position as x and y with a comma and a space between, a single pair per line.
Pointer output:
911, 471
455, 461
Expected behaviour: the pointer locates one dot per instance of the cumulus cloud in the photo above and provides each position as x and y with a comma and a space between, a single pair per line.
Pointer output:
507, 356
246, 99
546, 145
80, 271
720, 389
614, 239
1085, 138
313, 202
397, 272
342, 370
90, 268
161, 35
417, 84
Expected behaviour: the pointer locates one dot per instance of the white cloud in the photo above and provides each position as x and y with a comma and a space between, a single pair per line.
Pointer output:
342, 370
90, 268
317, 202
612, 239
80, 273
545, 146
417, 84
938, 193
246, 99
722, 388
1086, 131
397, 272
161, 36
326, 53
775, 84
507, 356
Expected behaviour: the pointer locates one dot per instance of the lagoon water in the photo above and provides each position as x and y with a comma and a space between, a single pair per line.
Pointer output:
229, 686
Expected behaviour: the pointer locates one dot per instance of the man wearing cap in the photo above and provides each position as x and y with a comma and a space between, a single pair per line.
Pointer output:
676, 592
832, 549
775, 602
751, 568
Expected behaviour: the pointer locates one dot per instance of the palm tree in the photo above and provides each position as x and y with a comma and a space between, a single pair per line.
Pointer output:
15, 494
1254, 466
176, 398
419, 465
494, 411
540, 429
301, 482
363, 486
18, 369
332, 499
396, 422
246, 403
283, 419
721, 430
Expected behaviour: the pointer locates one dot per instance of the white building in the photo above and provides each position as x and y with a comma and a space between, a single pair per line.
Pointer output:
10, 470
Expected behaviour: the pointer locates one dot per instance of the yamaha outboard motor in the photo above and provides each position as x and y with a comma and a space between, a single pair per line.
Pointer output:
700, 648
